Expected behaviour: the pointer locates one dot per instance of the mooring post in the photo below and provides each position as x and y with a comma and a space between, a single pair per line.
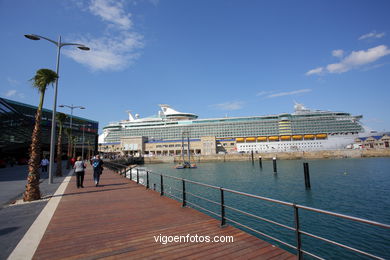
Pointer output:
161, 185
253, 161
184, 193
260, 163
147, 180
274, 163
137, 176
307, 175
223, 220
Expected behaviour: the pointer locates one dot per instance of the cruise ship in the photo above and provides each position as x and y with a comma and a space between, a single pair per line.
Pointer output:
302, 130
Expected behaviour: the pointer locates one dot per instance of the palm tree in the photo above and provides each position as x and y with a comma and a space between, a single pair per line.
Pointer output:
68, 133
41, 80
60, 118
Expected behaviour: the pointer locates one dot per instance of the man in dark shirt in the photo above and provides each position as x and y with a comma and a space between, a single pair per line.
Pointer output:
97, 165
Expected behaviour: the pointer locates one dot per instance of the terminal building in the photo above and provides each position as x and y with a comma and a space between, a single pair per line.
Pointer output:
171, 132
16, 125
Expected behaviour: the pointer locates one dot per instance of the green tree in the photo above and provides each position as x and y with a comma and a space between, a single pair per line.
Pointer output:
60, 119
42, 79
68, 133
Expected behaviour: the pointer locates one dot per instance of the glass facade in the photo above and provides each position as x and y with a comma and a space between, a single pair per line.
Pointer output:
17, 122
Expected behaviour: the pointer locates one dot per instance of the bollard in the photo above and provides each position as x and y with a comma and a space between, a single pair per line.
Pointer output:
223, 219
137, 176
274, 163
307, 175
184, 193
161, 185
147, 180
253, 161
260, 163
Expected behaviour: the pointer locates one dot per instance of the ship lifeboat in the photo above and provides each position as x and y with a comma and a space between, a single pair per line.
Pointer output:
297, 137
273, 138
250, 139
239, 139
309, 137
321, 136
262, 138
285, 138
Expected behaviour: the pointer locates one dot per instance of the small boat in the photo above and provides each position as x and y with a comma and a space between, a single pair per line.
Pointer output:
186, 165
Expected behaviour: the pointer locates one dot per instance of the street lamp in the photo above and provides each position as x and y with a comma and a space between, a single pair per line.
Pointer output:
59, 45
71, 116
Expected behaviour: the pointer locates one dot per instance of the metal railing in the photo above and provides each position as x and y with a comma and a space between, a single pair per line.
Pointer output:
128, 173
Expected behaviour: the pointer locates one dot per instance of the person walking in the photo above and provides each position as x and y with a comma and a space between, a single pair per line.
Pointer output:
44, 164
97, 165
79, 167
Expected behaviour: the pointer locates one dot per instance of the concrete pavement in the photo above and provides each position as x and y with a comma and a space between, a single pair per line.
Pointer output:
16, 219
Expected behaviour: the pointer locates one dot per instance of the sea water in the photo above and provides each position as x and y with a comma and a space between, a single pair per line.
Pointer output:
355, 187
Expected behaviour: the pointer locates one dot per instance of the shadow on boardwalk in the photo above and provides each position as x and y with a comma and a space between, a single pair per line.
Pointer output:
122, 220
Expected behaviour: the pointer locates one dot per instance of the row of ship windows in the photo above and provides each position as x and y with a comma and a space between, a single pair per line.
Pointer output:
271, 147
316, 144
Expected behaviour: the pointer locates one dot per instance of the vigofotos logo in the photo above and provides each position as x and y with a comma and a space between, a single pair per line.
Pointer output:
164, 239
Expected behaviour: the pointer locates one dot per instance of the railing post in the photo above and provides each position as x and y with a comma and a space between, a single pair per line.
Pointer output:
131, 174
184, 193
161, 185
297, 233
137, 176
223, 220
147, 179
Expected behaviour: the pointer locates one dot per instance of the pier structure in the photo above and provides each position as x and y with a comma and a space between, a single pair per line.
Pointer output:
122, 220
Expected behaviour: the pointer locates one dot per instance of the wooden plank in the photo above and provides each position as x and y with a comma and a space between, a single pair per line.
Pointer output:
120, 220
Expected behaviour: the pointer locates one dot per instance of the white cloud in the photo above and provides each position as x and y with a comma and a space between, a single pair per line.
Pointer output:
111, 11
372, 35
318, 70
13, 82
263, 93
338, 53
290, 93
11, 93
119, 46
108, 53
358, 58
354, 60
236, 105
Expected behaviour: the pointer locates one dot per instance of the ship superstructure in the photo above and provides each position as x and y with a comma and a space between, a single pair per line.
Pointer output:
302, 130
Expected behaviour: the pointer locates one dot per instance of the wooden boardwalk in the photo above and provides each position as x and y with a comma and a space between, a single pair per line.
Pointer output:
120, 220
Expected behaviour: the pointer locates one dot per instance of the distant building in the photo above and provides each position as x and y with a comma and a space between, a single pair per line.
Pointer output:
16, 125
373, 142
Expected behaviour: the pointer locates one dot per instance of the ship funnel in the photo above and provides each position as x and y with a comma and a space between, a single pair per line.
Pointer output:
131, 118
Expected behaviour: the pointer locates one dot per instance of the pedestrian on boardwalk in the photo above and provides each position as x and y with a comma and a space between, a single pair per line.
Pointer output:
79, 167
44, 164
97, 165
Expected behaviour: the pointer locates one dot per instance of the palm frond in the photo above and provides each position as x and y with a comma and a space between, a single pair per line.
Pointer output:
43, 78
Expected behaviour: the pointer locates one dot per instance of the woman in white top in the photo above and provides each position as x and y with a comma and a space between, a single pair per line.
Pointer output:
79, 167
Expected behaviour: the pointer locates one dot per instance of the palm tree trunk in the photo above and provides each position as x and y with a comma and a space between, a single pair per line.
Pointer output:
32, 188
59, 153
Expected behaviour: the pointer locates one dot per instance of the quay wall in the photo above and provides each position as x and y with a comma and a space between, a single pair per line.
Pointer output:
330, 154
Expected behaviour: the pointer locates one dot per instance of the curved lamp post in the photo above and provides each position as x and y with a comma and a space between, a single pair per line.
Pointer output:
59, 45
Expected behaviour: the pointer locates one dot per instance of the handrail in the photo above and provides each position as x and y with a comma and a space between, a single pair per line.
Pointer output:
297, 229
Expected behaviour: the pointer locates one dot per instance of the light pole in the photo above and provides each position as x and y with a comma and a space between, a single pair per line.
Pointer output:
71, 117
59, 45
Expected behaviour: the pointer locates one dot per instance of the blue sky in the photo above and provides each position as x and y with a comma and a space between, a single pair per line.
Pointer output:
209, 57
